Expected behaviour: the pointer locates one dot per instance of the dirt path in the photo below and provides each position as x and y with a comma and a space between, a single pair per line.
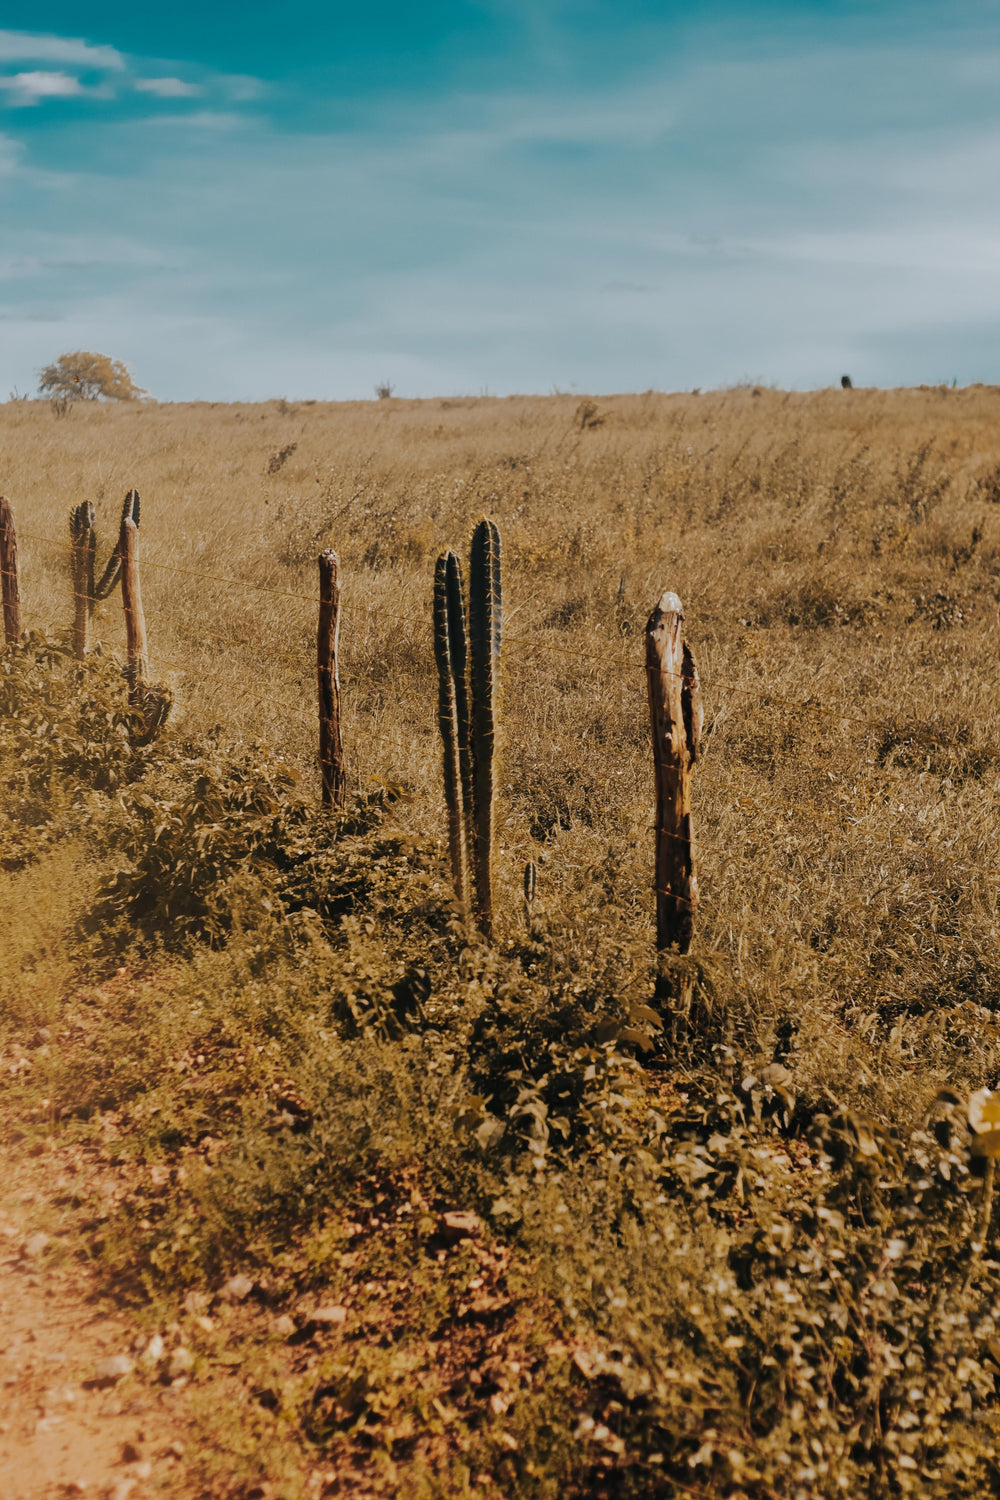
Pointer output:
206, 1398
78, 1412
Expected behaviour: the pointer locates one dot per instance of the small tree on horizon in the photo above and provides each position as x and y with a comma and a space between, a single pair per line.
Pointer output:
87, 376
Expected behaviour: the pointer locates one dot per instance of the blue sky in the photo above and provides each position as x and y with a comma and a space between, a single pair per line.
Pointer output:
244, 201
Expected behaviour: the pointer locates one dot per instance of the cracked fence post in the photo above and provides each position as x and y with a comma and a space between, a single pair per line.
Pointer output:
676, 719
331, 749
9, 583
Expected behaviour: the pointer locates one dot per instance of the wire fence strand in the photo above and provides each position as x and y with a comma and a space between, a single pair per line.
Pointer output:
624, 658
835, 711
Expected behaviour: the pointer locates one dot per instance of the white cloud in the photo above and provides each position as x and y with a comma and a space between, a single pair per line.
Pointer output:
28, 88
240, 87
34, 253
31, 86
167, 88
25, 46
702, 224
201, 119
11, 153
965, 248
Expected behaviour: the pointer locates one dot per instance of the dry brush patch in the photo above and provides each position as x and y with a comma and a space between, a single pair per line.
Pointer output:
735, 1246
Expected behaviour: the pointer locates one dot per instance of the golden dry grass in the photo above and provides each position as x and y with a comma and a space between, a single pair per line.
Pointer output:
838, 556
844, 620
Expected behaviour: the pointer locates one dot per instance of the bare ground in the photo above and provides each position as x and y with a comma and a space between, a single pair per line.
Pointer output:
104, 1397
70, 1423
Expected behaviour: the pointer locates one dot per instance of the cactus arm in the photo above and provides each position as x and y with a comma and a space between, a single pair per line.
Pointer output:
448, 634
90, 568
109, 578
485, 610
112, 573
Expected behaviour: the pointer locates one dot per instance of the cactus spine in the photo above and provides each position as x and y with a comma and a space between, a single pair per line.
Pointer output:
451, 652
468, 660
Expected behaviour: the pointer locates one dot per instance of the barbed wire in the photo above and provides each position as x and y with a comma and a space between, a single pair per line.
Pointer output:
798, 812
377, 611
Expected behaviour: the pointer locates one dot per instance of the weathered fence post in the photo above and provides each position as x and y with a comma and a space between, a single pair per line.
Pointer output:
8, 575
149, 706
331, 750
136, 665
676, 717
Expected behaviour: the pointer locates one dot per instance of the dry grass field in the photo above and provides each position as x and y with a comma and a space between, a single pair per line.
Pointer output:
706, 1278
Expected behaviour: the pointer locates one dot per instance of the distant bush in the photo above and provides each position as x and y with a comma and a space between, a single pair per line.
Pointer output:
87, 376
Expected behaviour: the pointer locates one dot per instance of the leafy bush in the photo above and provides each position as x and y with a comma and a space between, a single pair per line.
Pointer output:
63, 732
545, 1064
184, 854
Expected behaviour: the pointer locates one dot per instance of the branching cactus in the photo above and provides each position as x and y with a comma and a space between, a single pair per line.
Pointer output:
485, 611
468, 661
88, 590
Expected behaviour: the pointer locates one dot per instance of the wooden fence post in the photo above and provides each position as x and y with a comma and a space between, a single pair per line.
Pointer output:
150, 706
331, 749
676, 717
8, 575
135, 622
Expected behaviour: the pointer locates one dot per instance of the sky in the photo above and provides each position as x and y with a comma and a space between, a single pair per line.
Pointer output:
472, 197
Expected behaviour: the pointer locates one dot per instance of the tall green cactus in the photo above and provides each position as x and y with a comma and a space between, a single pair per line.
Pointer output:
451, 652
485, 611
459, 632
468, 657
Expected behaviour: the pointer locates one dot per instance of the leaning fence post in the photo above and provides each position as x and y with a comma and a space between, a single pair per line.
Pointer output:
135, 622
331, 749
676, 717
8, 575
